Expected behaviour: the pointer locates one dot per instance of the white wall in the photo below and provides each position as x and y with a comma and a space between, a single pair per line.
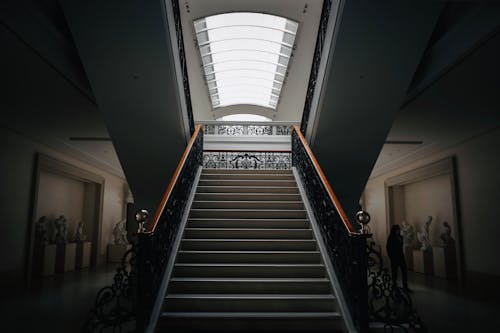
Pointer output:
58, 195
17, 166
429, 197
478, 194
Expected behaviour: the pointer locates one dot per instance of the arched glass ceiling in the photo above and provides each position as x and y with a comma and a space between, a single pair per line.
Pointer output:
245, 57
244, 117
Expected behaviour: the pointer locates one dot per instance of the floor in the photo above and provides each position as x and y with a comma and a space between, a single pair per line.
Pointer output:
55, 304
447, 306
61, 303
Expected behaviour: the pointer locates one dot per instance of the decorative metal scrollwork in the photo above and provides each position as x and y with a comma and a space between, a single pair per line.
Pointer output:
318, 50
126, 305
234, 130
156, 248
114, 306
182, 58
246, 129
346, 251
388, 303
247, 160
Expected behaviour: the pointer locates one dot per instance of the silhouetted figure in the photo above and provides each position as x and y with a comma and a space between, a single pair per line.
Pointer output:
395, 251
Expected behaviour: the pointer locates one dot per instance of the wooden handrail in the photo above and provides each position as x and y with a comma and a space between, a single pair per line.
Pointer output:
166, 196
328, 188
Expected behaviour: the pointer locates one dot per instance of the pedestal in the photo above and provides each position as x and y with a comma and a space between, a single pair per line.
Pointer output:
44, 260
445, 262
408, 251
116, 251
422, 261
83, 254
65, 258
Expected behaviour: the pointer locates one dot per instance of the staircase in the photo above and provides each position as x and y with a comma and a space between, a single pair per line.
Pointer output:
248, 260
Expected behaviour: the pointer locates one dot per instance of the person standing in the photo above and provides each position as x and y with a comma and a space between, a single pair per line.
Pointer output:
394, 248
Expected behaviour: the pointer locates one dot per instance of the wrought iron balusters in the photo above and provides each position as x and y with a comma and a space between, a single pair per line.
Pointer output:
247, 160
182, 57
115, 305
387, 303
246, 129
345, 250
126, 305
155, 249
318, 50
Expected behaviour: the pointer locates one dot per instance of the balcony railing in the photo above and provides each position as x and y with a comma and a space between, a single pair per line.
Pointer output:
243, 128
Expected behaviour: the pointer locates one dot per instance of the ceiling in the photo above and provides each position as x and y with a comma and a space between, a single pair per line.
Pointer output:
460, 105
291, 104
38, 102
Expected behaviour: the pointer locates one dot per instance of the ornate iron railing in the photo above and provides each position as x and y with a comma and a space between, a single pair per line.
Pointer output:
366, 284
127, 304
318, 51
345, 246
182, 58
246, 129
155, 244
388, 304
115, 305
272, 160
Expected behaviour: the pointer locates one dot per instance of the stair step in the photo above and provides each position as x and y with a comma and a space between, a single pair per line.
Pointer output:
249, 213
247, 197
244, 171
249, 285
250, 303
248, 244
248, 189
282, 257
243, 182
309, 322
249, 270
248, 223
216, 204
246, 233
249, 176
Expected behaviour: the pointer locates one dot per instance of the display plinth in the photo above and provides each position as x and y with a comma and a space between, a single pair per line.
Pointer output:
65, 258
83, 254
116, 251
423, 261
408, 251
445, 262
45, 260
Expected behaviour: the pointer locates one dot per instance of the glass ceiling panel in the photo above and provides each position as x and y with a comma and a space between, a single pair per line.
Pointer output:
245, 57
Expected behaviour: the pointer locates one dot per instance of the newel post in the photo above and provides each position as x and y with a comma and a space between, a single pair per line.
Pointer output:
361, 259
144, 274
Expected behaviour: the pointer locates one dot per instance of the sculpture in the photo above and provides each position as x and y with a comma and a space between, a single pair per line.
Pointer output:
120, 233
423, 235
408, 233
80, 235
446, 239
41, 238
61, 230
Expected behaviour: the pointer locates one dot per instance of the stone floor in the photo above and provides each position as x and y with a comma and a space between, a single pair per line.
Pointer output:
55, 304
61, 303
447, 306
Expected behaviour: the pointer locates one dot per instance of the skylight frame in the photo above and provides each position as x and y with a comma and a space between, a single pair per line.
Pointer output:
267, 63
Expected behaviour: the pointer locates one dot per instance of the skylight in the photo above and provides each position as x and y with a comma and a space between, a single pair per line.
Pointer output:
244, 117
245, 57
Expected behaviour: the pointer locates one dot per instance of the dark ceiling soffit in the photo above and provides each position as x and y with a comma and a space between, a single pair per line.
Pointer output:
88, 138
402, 142
54, 48
482, 24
